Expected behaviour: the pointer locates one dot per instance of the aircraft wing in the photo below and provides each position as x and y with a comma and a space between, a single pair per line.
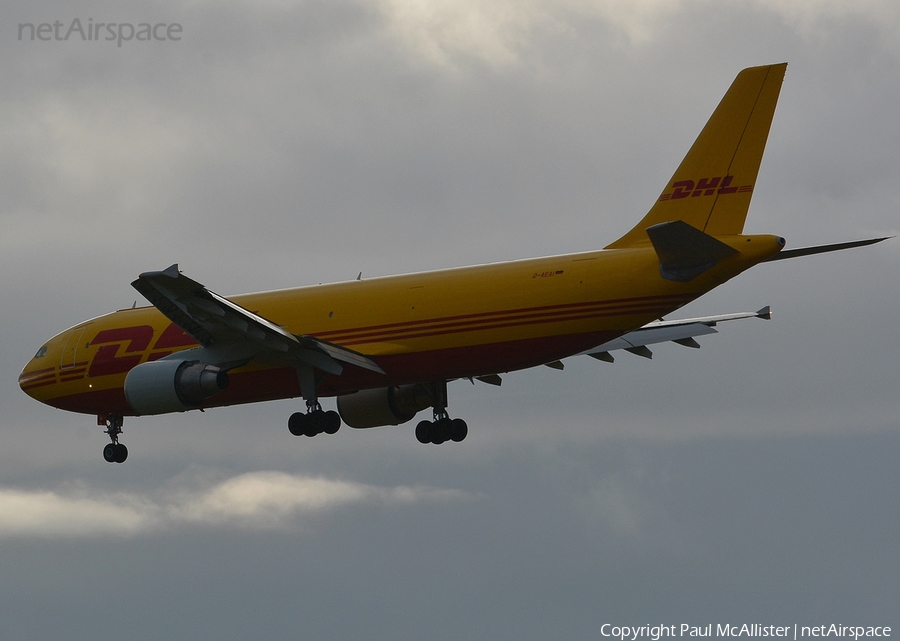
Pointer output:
234, 334
678, 331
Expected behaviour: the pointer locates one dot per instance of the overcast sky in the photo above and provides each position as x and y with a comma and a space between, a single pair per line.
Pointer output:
279, 143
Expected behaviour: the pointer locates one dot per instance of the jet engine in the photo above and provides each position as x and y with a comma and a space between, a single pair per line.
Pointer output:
384, 405
159, 387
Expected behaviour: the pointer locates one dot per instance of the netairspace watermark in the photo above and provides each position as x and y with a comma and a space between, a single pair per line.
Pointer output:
90, 31
793, 631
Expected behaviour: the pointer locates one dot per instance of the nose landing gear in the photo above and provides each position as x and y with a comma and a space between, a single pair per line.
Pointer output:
114, 452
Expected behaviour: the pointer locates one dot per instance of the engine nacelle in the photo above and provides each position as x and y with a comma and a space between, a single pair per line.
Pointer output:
383, 406
160, 387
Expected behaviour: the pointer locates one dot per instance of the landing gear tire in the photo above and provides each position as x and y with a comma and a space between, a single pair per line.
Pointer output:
312, 427
115, 453
442, 430
313, 423
331, 422
458, 430
297, 424
423, 432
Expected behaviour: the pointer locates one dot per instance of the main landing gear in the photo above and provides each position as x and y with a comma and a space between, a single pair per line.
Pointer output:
114, 452
314, 421
442, 428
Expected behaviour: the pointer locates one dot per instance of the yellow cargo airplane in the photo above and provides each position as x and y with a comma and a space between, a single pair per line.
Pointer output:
386, 347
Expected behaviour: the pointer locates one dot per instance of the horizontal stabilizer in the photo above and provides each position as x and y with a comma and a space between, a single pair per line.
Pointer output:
822, 249
684, 251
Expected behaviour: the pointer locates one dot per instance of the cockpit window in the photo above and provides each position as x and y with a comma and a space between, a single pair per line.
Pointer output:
41, 352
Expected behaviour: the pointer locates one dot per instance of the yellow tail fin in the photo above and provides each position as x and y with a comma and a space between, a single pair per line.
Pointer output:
711, 189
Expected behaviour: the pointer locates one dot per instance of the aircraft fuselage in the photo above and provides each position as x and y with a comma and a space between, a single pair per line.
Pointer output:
438, 325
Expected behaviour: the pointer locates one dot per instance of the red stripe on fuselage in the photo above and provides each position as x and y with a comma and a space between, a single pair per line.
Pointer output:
504, 325
32, 377
270, 384
503, 319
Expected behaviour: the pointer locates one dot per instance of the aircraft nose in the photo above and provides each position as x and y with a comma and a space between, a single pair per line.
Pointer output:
37, 374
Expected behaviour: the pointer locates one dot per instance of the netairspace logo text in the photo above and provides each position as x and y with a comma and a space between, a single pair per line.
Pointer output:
94, 31
794, 631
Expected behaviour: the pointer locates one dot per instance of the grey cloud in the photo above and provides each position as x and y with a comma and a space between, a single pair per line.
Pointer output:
255, 500
281, 144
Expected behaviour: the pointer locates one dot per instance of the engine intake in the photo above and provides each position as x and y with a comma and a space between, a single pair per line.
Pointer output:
384, 405
160, 387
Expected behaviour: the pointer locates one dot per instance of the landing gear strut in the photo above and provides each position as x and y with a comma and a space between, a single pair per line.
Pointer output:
114, 452
315, 420
442, 428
